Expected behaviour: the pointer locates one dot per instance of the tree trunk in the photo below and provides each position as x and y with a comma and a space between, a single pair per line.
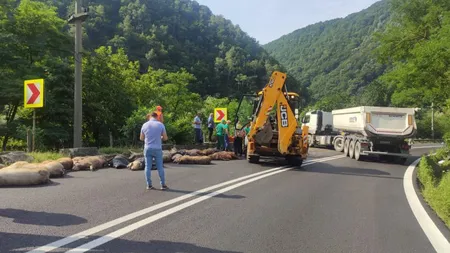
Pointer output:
9, 119
134, 142
5, 141
96, 134
110, 139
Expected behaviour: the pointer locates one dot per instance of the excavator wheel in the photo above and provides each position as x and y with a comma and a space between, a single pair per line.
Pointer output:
253, 158
294, 161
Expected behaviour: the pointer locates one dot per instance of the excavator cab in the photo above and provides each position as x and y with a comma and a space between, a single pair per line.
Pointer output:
248, 105
271, 118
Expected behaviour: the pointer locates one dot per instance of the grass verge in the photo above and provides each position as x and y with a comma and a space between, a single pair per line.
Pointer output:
43, 156
435, 182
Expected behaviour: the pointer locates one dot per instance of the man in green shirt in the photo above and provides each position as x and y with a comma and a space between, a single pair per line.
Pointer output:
247, 131
226, 134
220, 135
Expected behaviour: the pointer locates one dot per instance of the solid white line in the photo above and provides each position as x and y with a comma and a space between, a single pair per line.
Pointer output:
72, 238
436, 238
118, 233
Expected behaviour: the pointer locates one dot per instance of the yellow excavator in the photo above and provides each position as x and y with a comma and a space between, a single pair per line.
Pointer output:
271, 120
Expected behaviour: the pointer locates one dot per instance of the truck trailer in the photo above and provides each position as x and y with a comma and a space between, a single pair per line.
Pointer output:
368, 131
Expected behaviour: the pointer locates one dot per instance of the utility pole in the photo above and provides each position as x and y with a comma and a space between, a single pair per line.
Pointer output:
432, 121
77, 19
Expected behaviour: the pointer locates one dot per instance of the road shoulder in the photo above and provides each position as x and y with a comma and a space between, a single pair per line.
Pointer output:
433, 227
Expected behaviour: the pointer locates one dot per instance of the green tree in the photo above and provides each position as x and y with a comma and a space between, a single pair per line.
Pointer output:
169, 90
30, 31
108, 98
417, 43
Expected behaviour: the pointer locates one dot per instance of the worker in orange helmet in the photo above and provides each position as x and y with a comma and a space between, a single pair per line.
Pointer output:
159, 112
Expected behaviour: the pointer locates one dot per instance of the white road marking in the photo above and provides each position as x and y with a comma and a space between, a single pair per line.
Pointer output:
73, 238
118, 233
436, 238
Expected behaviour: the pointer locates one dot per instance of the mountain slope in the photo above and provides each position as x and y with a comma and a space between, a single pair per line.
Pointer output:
179, 34
334, 57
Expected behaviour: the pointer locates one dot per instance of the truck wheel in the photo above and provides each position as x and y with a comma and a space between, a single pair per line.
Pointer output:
351, 149
358, 151
339, 145
346, 144
253, 159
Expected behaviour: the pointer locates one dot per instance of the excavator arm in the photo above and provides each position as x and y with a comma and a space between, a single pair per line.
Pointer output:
287, 124
272, 94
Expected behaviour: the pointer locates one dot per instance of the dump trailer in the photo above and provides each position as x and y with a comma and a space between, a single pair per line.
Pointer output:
374, 131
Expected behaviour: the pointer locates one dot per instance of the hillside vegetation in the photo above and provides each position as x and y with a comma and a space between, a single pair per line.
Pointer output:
178, 34
416, 46
334, 58
177, 54
394, 53
137, 54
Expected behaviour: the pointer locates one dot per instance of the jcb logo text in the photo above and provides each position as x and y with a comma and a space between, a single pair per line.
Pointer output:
284, 116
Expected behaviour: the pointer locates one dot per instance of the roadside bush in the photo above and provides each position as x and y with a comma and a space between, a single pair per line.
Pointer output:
446, 166
429, 172
447, 140
15, 144
180, 130
435, 180
438, 198
441, 154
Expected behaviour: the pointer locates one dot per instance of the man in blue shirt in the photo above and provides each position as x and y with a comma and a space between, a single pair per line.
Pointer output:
152, 133
198, 129
211, 126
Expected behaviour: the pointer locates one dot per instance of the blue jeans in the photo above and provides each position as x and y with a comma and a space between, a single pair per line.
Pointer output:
149, 154
227, 142
198, 135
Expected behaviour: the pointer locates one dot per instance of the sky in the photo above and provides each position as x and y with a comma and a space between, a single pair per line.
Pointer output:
267, 20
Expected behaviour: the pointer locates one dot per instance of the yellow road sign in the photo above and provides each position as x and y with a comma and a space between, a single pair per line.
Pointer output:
33, 93
220, 114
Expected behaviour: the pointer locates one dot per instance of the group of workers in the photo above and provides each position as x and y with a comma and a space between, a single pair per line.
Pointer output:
223, 135
153, 132
222, 132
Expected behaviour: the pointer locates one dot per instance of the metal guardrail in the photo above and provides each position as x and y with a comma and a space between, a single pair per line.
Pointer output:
426, 141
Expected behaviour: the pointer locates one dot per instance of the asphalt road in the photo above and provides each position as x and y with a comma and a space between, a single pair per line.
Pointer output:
338, 205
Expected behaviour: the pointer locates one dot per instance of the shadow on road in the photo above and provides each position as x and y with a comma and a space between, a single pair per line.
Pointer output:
351, 172
66, 175
50, 183
273, 162
41, 218
226, 196
388, 170
119, 246
410, 160
12, 242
